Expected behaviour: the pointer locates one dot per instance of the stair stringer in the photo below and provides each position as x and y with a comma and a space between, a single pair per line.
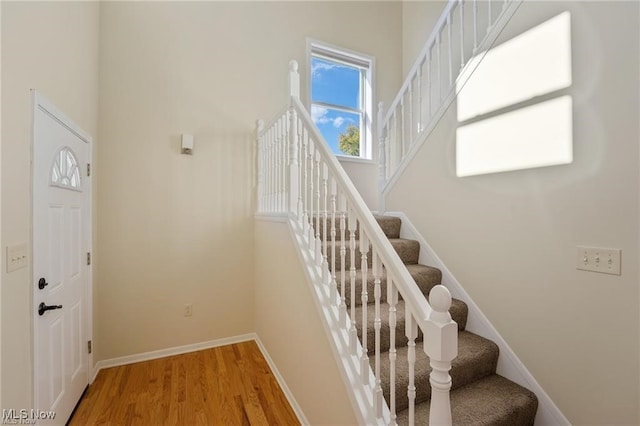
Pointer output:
361, 396
509, 365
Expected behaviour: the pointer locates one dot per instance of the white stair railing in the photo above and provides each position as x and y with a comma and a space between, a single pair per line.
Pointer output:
461, 37
299, 176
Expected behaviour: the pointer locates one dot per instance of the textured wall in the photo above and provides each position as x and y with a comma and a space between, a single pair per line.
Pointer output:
510, 238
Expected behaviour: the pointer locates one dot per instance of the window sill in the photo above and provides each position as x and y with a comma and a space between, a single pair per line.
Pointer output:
349, 159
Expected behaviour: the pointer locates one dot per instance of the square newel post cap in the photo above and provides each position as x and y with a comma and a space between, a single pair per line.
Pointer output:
441, 332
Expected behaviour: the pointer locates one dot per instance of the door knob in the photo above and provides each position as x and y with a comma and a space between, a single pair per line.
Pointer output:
42, 308
42, 283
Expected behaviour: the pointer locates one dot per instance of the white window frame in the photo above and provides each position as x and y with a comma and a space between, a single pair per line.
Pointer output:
366, 64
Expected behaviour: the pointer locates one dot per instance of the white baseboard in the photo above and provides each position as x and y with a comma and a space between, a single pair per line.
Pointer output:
283, 385
178, 350
162, 353
509, 365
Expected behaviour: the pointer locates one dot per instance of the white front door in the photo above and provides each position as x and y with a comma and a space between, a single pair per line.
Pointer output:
61, 274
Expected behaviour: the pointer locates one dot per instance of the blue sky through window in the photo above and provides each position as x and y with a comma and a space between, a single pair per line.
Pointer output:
335, 84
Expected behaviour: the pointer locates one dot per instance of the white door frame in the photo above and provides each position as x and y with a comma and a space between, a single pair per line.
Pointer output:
41, 102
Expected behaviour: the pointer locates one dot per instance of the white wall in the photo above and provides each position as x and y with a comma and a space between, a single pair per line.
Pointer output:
510, 238
52, 48
177, 229
290, 327
364, 176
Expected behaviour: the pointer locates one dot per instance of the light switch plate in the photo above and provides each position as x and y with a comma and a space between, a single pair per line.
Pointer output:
597, 259
16, 257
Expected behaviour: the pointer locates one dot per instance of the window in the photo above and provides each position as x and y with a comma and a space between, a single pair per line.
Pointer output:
64, 170
341, 99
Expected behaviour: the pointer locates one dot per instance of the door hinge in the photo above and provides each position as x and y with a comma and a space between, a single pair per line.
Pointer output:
88, 258
89, 346
88, 169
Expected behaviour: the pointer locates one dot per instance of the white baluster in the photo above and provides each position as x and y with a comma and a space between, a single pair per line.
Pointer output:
382, 171
294, 166
274, 177
265, 162
326, 278
438, 46
272, 167
377, 324
402, 148
307, 218
284, 154
260, 161
364, 297
429, 86
475, 26
461, 7
394, 143
420, 119
301, 162
450, 43
343, 259
334, 284
490, 16
410, 112
279, 165
318, 211
269, 149
311, 237
353, 332
392, 300
441, 345
411, 331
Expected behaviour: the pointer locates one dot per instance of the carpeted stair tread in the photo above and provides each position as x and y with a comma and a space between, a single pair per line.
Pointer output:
426, 277
408, 250
477, 358
458, 314
491, 401
390, 226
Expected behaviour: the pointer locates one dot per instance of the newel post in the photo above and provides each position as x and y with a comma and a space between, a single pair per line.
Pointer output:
260, 164
382, 157
441, 345
294, 166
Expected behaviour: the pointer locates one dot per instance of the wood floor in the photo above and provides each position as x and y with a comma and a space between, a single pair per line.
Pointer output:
229, 385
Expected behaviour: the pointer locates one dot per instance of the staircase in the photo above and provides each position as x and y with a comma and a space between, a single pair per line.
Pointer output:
404, 359
478, 395
399, 338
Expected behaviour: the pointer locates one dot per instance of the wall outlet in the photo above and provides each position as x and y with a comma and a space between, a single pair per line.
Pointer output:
597, 259
188, 310
16, 257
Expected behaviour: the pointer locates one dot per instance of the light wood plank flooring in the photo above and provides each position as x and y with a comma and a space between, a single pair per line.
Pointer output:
229, 385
